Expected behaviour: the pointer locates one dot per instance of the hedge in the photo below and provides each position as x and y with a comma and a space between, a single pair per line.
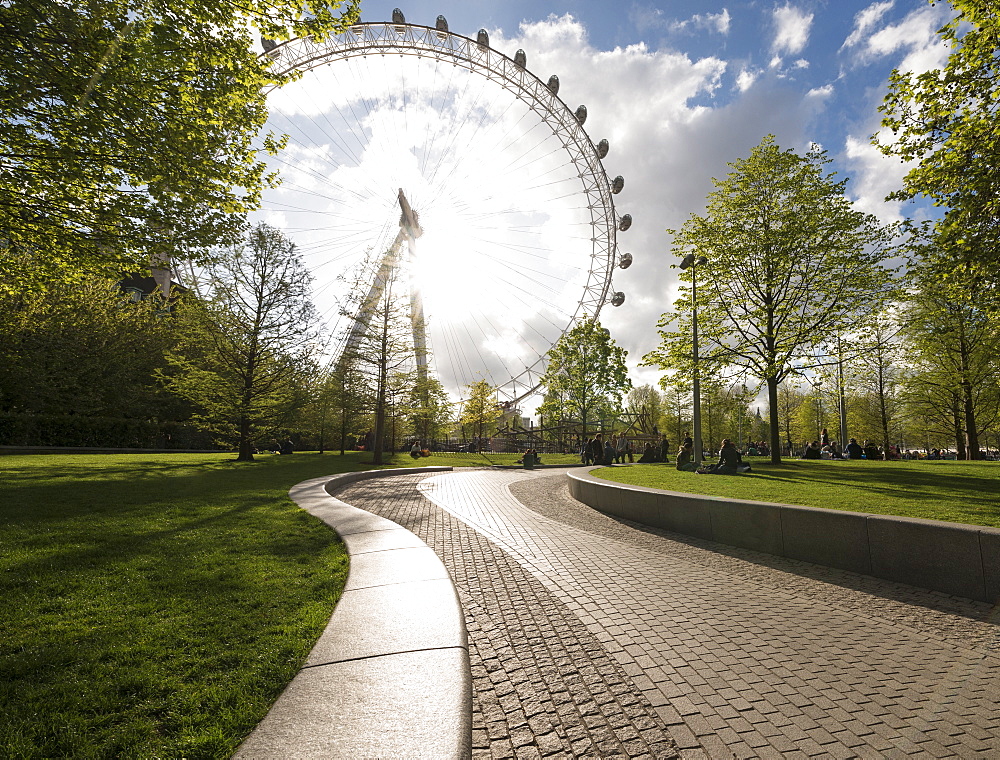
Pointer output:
107, 432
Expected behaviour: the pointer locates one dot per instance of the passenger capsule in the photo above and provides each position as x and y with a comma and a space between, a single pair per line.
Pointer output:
483, 38
441, 24
400, 20
618, 184
625, 222
553, 84
521, 59
618, 299
581, 114
602, 148
625, 261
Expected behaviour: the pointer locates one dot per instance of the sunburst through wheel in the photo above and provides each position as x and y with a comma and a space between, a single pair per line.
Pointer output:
517, 216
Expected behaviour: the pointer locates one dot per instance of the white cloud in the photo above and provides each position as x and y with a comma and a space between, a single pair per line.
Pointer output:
791, 30
646, 18
915, 36
820, 92
745, 79
865, 20
874, 177
713, 22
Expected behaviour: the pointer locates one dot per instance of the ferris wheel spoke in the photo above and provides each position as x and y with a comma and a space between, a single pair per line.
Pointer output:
490, 159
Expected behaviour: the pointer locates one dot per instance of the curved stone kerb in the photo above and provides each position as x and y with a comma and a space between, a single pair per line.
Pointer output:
390, 675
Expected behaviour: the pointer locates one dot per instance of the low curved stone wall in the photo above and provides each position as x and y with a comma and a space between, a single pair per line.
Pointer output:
390, 675
963, 560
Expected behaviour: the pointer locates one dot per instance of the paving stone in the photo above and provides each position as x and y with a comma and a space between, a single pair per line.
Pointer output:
612, 625
526, 642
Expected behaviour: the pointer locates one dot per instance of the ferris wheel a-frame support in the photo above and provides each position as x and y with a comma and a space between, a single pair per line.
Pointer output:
409, 231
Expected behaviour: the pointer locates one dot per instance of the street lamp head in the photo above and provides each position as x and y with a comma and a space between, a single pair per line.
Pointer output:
690, 260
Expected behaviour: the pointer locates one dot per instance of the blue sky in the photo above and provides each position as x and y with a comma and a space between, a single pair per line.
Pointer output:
680, 89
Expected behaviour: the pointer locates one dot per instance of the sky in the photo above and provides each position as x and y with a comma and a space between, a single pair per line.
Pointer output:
679, 89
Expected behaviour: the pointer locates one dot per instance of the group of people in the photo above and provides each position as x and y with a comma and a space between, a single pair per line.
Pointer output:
619, 448
827, 449
730, 462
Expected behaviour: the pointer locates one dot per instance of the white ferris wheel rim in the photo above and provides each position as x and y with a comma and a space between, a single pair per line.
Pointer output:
303, 54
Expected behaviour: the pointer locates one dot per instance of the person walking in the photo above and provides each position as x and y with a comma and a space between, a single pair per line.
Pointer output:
622, 448
595, 449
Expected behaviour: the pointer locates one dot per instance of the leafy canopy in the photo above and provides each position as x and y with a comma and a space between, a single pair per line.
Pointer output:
586, 375
788, 262
948, 120
128, 127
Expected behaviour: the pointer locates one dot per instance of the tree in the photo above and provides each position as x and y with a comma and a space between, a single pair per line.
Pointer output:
586, 370
259, 329
954, 343
878, 372
787, 262
947, 121
427, 408
677, 404
790, 401
481, 409
131, 128
380, 343
85, 348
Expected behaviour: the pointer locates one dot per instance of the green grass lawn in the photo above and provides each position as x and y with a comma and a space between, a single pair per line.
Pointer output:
963, 492
156, 605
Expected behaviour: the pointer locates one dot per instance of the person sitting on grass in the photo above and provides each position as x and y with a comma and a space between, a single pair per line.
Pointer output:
648, 455
729, 461
854, 450
812, 451
684, 455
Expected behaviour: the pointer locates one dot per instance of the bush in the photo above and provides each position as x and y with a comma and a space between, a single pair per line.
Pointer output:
105, 432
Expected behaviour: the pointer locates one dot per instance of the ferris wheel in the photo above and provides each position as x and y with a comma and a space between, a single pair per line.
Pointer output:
400, 131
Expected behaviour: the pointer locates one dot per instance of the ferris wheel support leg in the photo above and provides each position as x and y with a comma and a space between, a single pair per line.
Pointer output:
389, 262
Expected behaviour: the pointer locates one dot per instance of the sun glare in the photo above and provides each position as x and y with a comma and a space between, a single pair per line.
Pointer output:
506, 245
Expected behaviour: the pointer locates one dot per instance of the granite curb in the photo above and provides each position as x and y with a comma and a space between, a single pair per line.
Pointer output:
948, 557
390, 676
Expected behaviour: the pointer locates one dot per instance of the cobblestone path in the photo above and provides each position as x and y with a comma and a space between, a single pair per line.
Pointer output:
590, 637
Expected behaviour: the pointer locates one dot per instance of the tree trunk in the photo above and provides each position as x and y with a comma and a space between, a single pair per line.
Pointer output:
772, 416
959, 433
246, 447
379, 428
968, 403
343, 429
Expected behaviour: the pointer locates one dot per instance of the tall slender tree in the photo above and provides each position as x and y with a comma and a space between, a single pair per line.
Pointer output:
481, 409
248, 352
787, 262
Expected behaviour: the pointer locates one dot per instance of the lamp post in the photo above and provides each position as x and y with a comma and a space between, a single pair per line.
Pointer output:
691, 262
819, 409
842, 396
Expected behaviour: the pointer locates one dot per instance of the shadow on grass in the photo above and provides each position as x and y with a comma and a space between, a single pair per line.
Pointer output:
893, 480
74, 519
